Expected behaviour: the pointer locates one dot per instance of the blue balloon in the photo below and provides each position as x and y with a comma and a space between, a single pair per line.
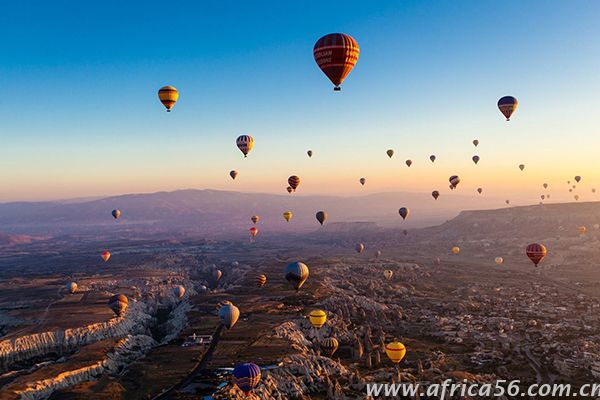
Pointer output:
246, 376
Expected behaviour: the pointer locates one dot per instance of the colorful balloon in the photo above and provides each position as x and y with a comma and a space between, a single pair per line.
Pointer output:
105, 255
395, 351
116, 214
545, 185
255, 219
287, 215
388, 273
179, 291
330, 345
582, 230
362, 181
233, 174
229, 315
390, 153
432, 158
475, 159
577, 178
507, 106
475, 142
253, 231
260, 280
118, 304
296, 273
435, 194
317, 318
479, 190
360, 248
168, 95
408, 163
499, 260
336, 54
321, 217
294, 182
310, 153
246, 376
521, 167
536, 252
71, 287
289, 189
245, 143
456, 250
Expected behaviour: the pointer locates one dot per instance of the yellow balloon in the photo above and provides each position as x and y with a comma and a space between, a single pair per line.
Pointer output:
317, 318
456, 250
582, 230
395, 351
287, 215
388, 274
168, 95
499, 260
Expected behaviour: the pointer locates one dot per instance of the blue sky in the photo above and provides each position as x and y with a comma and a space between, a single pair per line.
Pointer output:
80, 116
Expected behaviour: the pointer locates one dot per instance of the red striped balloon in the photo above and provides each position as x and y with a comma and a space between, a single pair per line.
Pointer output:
336, 54
536, 252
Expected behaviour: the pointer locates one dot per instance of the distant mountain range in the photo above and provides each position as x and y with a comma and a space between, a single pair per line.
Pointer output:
213, 212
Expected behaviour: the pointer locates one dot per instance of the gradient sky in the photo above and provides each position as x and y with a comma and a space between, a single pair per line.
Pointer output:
80, 115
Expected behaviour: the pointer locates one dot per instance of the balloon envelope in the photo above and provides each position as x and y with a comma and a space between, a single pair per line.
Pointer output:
116, 214
536, 252
390, 153
296, 273
287, 216
404, 212
229, 314
246, 376
395, 351
245, 143
168, 96
321, 217
317, 318
294, 182
336, 55
507, 106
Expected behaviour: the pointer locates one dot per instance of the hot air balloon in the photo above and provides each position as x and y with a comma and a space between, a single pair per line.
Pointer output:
289, 189
287, 216
582, 230
395, 351
454, 181
543, 197
309, 153
536, 252
545, 185
229, 314
216, 276
255, 218
245, 143
408, 163
593, 190
390, 153
294, 182
475, 142
479, 190
378, 254
105, 255
568, 182
435, 194
499, 260
296, 273
507, 201
576, 197
456, 250
233, 174
246, 377
405, 232
253, 231
168, 95
574, 186
116, 214
507, 106
179, 291
317, 318
71, 287
438, 261
388, 273
403, 211
260, 280
475, 159
432, 158
360, 248
330, 345
321, 217
577, 178
521, 167
336, 54
362, 181
118, 303
570, 190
